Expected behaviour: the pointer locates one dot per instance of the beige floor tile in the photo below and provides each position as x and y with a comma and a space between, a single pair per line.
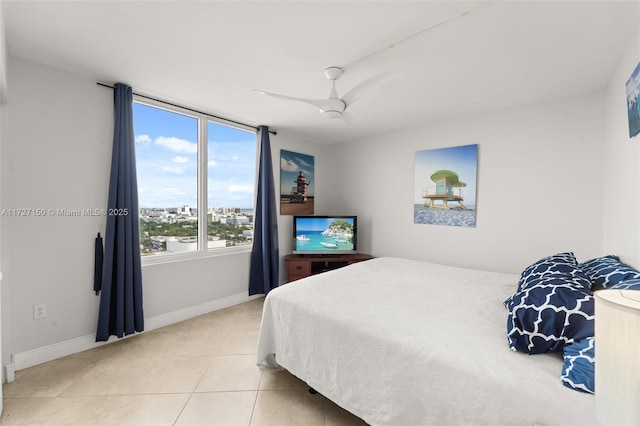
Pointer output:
24, 411
248, 322
239, 341
47, 380
281, 380
95, 410
288, 408
231, 373
111, 377
175, 329
208, 324
219, 408
202, 343
146, 345
97, 354
139, 410
84, 410
252, 310
79, 410
223, 318
172, 374
200, 371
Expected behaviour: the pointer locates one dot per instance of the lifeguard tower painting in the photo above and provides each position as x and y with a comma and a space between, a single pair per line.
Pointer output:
448, 188
445, 186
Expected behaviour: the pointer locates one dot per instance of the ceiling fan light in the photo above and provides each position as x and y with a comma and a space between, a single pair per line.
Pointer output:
332, 114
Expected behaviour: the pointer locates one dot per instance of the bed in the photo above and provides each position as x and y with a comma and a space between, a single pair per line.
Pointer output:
405, 342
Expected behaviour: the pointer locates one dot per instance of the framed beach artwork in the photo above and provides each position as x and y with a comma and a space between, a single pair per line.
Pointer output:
633, 102
296, 183
445, 186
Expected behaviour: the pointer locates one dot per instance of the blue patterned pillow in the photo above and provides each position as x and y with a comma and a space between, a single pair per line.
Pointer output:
578, 371
626, 285
547, 315
606, 271
562, 265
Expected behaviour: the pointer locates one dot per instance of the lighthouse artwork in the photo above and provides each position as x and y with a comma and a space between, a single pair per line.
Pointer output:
296, 183
299, 192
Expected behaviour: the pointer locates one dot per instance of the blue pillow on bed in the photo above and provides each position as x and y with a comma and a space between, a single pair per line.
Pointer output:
626, 285
547, 315
578, 371
606, 271
563, 265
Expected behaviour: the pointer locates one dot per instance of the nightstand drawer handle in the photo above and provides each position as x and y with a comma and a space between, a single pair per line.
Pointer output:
299, 268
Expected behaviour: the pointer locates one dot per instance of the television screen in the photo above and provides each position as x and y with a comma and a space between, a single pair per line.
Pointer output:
324, 234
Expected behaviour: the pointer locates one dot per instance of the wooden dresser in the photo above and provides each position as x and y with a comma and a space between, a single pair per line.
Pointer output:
303, 265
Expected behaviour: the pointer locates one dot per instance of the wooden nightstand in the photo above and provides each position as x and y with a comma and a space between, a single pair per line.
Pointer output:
303, 265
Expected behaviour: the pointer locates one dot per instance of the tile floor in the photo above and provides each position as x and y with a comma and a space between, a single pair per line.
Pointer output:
197, 372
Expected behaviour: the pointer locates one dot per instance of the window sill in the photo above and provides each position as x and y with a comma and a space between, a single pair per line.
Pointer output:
162, 259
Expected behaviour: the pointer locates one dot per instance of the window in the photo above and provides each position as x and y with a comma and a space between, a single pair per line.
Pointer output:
196, 181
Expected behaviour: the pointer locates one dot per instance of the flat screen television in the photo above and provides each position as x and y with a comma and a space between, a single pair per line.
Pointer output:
325, 235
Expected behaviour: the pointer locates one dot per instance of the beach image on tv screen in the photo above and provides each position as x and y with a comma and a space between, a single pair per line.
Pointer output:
324, 234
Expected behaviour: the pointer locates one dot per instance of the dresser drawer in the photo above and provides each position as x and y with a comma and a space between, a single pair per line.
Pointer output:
300, 268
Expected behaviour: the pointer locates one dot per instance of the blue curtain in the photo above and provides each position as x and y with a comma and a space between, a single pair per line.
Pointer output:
121, 298
265, 260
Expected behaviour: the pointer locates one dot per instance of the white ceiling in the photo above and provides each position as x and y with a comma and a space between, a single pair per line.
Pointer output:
209, 55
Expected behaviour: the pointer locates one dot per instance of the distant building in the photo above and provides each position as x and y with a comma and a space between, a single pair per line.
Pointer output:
184, 210
188, 244
237, 220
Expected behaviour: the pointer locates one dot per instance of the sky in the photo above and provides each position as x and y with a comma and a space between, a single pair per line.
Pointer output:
310, 224
461, 160
167, 161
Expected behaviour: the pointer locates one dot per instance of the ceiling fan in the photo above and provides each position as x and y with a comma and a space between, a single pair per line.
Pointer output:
333, 106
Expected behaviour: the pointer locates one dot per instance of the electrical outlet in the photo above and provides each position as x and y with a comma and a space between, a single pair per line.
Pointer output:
39, 311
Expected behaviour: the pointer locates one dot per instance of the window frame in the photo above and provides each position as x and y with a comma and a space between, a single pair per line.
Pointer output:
202, 250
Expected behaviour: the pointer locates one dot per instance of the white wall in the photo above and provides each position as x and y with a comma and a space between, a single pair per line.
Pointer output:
3, 58
540, 187
622, 166
57, 155
3, 127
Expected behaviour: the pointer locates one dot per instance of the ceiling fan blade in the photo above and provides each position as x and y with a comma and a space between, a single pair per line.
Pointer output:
318, 103
347, 118
377, 80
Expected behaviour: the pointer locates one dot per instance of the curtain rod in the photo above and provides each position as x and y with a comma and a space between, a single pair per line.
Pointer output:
190, 109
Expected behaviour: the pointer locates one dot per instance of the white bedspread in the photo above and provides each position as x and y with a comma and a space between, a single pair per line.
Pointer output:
403, 342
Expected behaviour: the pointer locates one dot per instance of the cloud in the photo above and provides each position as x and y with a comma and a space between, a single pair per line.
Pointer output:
143, 139
305, 164
176, 170
177, 145
212, 163
180, 160
248, 189
288, 165
171, 192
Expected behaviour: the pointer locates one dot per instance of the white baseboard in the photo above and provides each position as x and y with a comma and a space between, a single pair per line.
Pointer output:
69, 347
